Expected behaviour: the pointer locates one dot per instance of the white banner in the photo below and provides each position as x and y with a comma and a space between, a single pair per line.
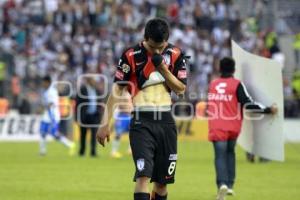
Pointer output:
263, 79
16, 127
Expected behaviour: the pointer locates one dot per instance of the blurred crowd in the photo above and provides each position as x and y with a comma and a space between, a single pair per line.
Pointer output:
67, 38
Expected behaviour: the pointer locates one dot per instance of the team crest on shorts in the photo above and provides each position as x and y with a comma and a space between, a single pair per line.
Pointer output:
140, 164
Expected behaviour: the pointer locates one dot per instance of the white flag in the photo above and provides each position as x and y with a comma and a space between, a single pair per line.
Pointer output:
263, 80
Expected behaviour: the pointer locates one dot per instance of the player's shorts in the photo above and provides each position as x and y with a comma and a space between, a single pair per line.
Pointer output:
49, 128
122, 123
154, 146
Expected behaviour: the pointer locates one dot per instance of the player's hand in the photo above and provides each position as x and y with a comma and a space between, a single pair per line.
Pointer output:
274, 109
103, 134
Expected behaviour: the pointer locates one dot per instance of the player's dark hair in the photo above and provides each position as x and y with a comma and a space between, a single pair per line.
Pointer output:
47, 78
157, 29
227, 65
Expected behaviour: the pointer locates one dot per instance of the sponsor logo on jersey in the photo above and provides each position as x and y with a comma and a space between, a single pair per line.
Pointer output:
220, 97
135, 52
140, 164
168, 177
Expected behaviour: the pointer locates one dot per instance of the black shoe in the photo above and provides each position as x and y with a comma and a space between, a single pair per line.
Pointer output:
81, 154
94, 155
263, 160
250, 157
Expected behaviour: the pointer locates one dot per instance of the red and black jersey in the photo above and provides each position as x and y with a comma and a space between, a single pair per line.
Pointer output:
136, 69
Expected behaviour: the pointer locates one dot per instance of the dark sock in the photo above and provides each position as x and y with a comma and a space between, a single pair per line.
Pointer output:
158, 197
141, 196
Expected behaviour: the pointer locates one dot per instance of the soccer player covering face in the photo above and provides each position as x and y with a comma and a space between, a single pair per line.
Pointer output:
150, 70
227, 98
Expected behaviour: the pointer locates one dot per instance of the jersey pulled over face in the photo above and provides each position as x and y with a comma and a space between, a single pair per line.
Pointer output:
146, 85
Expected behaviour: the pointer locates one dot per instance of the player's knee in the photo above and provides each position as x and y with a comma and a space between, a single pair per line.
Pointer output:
142, 183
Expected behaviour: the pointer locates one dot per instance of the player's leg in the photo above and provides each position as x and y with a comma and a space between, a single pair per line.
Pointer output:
141, 191
116, 145
231, 165
116, 141
44, 128
159, 192
165, 157
93, 141
142, 144
55, 133
62, 139
83, 131
121, 126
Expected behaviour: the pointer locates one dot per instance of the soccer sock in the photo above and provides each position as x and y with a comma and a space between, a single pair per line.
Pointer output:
141, 196
43, 144
158, 197
65, 141
115, 146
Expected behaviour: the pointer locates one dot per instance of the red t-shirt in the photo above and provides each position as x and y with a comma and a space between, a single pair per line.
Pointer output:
224, 111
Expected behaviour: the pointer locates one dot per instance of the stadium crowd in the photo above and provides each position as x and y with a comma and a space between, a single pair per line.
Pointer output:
67, 38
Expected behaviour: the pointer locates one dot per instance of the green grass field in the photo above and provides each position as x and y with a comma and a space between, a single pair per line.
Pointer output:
24, 175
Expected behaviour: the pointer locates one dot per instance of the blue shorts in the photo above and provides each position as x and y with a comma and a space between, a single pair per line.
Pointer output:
122, 123
49, 128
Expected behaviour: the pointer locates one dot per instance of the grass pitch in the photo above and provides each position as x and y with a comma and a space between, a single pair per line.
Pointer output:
24, 175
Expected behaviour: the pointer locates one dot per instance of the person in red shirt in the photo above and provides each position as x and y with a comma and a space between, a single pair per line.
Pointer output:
227, 98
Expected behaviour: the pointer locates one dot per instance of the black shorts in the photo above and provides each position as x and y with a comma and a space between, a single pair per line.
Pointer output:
153, 142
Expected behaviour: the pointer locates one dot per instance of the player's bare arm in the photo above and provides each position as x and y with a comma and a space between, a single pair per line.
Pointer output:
103, 132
